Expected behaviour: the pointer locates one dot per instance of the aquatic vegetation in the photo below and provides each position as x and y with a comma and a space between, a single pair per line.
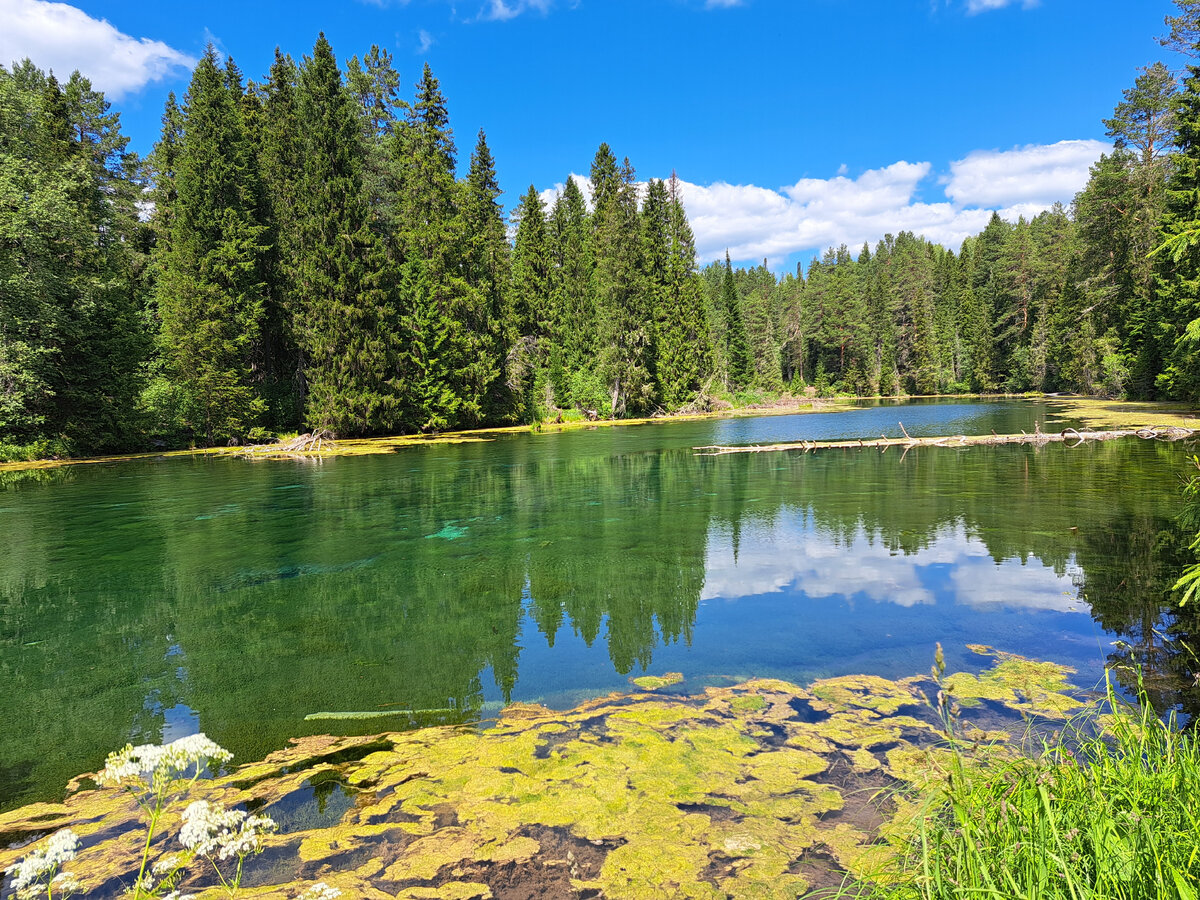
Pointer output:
748, 790
1105, 809
1111, 414
654, 682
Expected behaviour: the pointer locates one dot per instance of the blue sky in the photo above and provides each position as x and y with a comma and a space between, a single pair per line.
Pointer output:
795, 124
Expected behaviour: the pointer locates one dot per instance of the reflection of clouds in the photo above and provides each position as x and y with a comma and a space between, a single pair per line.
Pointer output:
792, 554
981, 583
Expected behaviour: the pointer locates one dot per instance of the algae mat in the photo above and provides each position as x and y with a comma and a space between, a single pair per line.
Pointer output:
764, 789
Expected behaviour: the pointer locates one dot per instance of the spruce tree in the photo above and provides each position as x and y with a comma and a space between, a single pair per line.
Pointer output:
486, 270
682, 339
739, 371
626, 348
346, 323
210, 293
574, 299
430, 236
533, 319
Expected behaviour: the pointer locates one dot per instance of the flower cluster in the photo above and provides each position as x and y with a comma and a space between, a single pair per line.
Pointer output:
30, 871
151, 762
209, 829
320, 891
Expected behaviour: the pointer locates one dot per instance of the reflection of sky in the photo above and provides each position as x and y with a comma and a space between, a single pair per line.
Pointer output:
793, 555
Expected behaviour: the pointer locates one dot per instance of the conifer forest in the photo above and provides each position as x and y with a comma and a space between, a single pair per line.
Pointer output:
305, 252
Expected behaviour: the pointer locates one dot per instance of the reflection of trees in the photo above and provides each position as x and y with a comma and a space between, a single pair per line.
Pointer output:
258, 594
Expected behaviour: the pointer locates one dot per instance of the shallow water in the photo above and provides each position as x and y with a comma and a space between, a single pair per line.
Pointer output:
146, 600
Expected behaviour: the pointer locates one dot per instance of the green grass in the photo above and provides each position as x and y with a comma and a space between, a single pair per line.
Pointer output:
45, 448
1109, 809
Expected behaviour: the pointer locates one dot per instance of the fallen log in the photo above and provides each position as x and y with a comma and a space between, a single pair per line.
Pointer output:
1039, 437
300, 445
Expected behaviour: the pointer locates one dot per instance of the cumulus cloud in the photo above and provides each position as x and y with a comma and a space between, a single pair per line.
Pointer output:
60, 37
756, 223
1036, 174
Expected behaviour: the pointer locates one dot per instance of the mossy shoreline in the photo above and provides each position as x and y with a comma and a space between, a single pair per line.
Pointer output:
761, 789
1110, 414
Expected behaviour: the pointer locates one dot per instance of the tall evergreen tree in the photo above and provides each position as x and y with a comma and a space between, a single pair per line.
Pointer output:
533, 318
1175, 320
739, 373
572, 283
682, 337
486, 270
346, 323
626, 339
212, 274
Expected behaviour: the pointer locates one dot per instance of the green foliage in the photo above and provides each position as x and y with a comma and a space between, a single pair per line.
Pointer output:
70, 336
1105, 810
210, 291
739, 371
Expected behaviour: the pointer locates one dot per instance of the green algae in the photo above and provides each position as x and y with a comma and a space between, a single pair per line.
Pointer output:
1029, 685
654, 682
728, 792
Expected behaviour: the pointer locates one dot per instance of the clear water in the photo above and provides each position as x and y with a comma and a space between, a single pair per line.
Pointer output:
150, 599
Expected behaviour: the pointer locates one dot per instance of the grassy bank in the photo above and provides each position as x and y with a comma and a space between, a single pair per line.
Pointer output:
1109, 808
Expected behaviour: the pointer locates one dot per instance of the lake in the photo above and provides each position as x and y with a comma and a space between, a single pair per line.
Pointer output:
149, 599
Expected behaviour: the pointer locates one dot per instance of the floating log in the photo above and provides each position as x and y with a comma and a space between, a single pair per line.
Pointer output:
1069, 436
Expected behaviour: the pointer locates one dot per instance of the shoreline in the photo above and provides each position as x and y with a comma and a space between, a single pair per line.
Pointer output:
1106, 414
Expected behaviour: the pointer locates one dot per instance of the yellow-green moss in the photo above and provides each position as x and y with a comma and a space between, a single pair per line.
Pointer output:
705, 796
654, 682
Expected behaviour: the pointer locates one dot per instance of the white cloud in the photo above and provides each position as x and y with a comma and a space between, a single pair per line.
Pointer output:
757, 223
1033, 174
425, 41
722, 4
503, 10
761, 223
60, 37
978, 6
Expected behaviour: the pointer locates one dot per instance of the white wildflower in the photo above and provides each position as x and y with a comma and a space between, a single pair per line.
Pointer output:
320, 891
209, 829
61, 848
150, 761
64, 884
168, 863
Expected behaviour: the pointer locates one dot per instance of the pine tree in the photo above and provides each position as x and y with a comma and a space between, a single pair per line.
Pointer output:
431, 237
1174, 320
280, 163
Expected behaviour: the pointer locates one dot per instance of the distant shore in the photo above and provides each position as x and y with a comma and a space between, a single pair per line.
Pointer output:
1107, 414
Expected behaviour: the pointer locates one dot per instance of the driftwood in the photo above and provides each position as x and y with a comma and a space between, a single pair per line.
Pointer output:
1069, 436
301, 445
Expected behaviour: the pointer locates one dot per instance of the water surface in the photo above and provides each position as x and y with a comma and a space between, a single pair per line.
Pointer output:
146, 600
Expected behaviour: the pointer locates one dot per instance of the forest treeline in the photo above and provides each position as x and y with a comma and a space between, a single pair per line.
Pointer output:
300, 253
